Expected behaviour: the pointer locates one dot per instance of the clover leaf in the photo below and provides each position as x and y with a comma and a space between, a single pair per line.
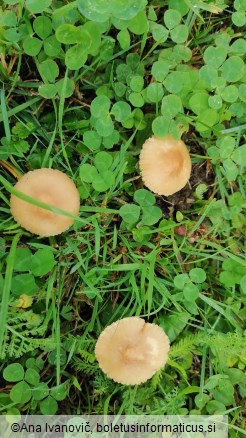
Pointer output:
150, 213
100, 174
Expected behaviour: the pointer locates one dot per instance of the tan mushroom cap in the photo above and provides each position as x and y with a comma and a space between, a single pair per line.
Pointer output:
165, 165
51, 187
130, 351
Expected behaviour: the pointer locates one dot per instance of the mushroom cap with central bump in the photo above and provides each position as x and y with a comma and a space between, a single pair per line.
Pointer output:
165, 165
51, 187
130, 351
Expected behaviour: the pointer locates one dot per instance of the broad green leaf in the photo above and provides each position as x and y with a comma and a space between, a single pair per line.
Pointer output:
68, 34
182, 53
159, 32
172, 18
42, 26
94, 10
171, 106
191, 291
111, 139
242, 92
206, 120
180, 280
69, 88
231, 169
215, 101
24, 284
103, 160
239, 155
84, 39
174, 82
199, 102
197, 275
215, 56
239, 18
209, 74
151, 215
87, 172
130, 213
48, 406
91, 34
21, 393
191, 306
42, 262
121, 111
92, 140
240, 5
8, 18
160, 70
100, 106
76, 57
233, 69
119, 89
238, 47
48, 70
226, 146
155, 92
13, 372
22, 259
126, 9
180, 33
173, 324
104, 126
124, 39
161, 126
32, 377
144, 198
37, 6
215, 407
12, 35
103, 181
52, 47
40, 391
31, 363
137, 83
48, 91
32, 46
237, 109
181, 5
59, 393
224, 392
201, 400
139, 24
136, 99
230, 93
122, 72
84, 190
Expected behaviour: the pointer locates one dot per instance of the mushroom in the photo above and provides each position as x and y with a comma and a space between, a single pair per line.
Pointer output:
130, 351
165, 165
51, 187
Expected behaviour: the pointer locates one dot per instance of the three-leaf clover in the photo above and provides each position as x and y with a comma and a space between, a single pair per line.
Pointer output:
100, 175
150, 213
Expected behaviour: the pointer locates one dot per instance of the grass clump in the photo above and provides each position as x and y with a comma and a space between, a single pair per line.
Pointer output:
81, 90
